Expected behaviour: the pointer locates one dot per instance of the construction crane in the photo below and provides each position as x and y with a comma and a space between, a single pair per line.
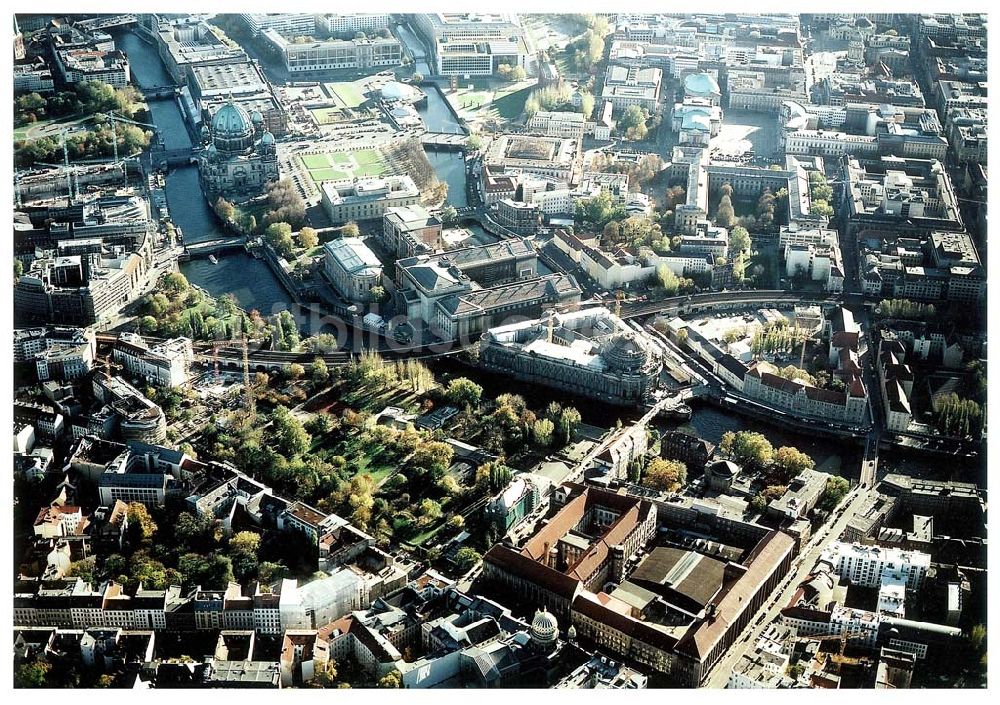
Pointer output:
215, 356
115, 119
215, 359
843, 638
64, 166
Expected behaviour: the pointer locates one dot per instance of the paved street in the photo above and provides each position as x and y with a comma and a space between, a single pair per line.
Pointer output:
780, 597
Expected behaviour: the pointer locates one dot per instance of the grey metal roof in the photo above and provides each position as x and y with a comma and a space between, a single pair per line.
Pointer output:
354, 256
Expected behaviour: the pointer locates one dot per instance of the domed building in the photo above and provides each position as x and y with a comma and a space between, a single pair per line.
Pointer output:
589, 352
721, 473
624, 353
702, 85
402, 92
240, 157
544, 630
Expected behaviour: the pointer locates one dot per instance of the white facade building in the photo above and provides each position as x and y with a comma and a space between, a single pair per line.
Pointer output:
301, 24
344, 24
869, 566
352, 268
166, 365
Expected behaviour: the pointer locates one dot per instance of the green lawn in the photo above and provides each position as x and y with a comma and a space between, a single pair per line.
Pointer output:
316, 161
344, 165
367, 156
257, 210
470, 100
426, 535
328, 175
348, 94
21, 132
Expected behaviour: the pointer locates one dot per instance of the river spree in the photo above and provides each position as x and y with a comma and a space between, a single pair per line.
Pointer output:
249, 279
256, 287
832, 456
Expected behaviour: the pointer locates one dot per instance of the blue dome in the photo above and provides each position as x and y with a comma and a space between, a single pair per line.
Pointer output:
267, 138
701, 84
231, 121
232, 130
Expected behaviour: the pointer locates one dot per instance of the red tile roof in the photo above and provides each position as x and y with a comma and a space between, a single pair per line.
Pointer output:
547, 578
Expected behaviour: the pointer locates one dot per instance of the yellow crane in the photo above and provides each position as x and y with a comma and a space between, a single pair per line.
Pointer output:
843, 638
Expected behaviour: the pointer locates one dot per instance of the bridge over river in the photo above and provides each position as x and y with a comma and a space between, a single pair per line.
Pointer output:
446, 141
200, 250
106, 23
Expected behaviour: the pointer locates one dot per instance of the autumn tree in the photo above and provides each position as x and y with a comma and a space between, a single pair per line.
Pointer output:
464, 392
674, 197
141, 527
789, 462
224, 209
279, 236
569, 420
664, 475
290, 437
244, 547
433, 457
175, 284
725, 216
668, 280
834, 492
33, 674
739, 240
319, 371
748, 448
393, 679
542, 431
466, 559
308, 238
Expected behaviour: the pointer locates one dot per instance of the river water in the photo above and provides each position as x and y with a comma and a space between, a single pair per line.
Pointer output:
256, 287
709, 422
249, 279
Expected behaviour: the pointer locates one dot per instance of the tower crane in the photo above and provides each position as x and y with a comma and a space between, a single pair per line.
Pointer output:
843, 638
64, 165
114, 118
